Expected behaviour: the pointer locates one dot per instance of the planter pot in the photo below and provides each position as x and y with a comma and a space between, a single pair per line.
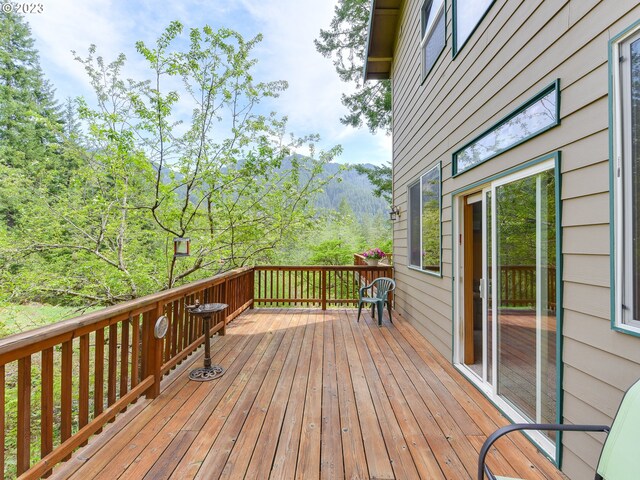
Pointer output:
372, 262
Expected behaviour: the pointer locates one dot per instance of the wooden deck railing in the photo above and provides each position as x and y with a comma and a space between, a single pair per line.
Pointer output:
318, 286
93, 366
518, 286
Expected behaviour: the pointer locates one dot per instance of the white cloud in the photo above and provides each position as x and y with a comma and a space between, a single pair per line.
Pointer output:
287, 52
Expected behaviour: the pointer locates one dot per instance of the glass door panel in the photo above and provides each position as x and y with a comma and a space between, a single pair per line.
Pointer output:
516, 303
524, 296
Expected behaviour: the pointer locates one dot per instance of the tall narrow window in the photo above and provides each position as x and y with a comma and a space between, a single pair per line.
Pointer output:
626, 96
424, 222
466, 17
433, 34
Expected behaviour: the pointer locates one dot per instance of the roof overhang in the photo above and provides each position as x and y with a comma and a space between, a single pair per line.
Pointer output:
383, 24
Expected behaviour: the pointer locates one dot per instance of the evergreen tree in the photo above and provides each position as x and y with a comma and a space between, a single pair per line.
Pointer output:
29, 122
29, 117
381, 178
345, 42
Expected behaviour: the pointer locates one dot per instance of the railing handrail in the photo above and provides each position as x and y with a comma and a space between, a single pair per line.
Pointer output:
387, 259
332, 268
112, 314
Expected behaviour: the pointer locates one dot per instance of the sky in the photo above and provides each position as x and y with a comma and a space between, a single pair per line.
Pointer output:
312, 102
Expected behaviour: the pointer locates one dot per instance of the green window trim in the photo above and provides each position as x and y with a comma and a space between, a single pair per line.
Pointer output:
454, 21
426, 37
616, 162
555, 86
419, 183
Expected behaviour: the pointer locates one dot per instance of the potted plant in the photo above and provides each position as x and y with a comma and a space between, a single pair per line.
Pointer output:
373, 256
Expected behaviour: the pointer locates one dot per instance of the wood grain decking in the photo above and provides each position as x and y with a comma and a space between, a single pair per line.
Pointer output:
310, 394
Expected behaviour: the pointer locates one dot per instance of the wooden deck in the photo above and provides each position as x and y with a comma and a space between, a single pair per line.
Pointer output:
310, 394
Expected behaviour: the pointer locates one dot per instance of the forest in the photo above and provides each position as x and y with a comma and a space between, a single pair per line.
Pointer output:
93, 191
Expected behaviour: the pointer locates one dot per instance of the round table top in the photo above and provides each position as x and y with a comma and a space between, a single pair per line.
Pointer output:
206, 308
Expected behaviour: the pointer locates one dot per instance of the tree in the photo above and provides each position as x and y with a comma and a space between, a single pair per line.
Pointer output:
381, 178
29, 121
345, 42
29, 118
223, 176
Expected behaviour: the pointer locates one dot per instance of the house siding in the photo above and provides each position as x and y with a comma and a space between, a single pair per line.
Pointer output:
519, 48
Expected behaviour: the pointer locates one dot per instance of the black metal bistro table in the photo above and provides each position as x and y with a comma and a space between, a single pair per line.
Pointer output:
206, 312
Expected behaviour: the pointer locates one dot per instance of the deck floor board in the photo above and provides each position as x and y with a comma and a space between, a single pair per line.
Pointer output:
311, 394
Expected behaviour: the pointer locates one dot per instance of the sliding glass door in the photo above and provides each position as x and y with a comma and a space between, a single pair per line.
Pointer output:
514, 346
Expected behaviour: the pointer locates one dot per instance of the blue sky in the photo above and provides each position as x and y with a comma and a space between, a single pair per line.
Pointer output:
312, 101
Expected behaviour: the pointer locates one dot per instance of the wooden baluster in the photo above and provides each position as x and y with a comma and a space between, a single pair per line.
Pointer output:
2, 422
83, 393
113, 364
46, 402
66, 388
124, 358
188, 320
279, 288
24, 414
174, 329
271, 287
145, 345
259, 286
184, 315
167, 339
135, 352
251, 280
180, 326
98, 379
191, 322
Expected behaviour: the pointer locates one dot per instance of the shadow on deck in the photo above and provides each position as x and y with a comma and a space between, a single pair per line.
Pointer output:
310, 394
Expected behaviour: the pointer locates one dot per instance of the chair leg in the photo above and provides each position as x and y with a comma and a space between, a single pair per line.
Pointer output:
373, 311
389, 310
380, 313
359, 310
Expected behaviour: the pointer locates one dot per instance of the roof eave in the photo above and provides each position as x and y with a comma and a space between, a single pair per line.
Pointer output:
383, 23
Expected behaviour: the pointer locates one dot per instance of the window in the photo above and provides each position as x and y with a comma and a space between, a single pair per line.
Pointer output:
626, 151
433, 34
424, 222
534, 117
467, 14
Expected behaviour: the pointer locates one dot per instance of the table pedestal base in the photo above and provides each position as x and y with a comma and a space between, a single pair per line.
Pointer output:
204, 374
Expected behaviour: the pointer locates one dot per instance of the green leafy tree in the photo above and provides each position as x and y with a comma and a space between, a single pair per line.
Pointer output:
147, 175
345, 43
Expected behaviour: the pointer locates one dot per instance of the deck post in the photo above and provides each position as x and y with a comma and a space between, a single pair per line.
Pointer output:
323, 288
153, 353
252, 288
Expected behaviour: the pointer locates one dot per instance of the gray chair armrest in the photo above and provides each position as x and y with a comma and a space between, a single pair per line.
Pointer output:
482, 467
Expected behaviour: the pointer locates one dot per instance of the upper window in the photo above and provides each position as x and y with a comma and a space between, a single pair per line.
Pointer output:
626, 107
466, 17
534, 117
433, 34
424, 222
